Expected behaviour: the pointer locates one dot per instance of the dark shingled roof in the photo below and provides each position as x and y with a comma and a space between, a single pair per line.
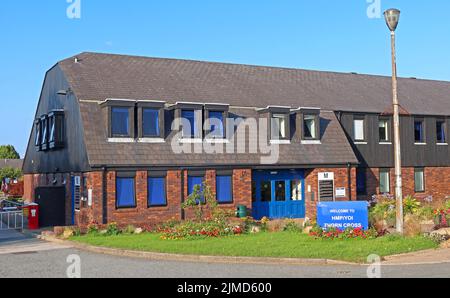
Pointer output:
96, 77
101, 76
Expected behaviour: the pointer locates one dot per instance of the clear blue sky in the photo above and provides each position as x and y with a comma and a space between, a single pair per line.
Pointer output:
334, 35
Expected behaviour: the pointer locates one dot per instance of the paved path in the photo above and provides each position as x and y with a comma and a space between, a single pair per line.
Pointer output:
24, 256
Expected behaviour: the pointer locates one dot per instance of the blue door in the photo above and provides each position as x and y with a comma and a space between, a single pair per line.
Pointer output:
278, 194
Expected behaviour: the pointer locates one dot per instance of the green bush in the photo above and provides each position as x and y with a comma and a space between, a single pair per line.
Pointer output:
92, 230
112, 229
292, 226
411, 205
129, 230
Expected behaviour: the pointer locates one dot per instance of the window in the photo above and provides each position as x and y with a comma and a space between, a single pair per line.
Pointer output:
385, 184
157, 191
56, 129
296, 190
383, 128
361, 181
224, 189
150, 123
278, 126
190, 124
38, 134
44, 129
358, 130
280, 191
419, 132
441, 132
120, 122
125, 192
216, 124
419, 180
195, 181
266, 191
310, 127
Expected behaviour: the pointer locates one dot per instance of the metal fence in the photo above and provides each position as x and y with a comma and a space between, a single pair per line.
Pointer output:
11, 215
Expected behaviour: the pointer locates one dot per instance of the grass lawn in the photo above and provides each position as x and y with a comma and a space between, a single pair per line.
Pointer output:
280, 244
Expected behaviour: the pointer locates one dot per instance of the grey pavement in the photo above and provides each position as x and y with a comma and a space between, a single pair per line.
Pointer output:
23, 256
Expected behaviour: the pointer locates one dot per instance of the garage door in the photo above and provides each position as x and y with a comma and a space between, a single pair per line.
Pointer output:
52, 206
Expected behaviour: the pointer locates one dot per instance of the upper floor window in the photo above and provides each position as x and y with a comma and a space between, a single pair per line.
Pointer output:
441, 131
191, 123
383, 128
150, 123
278, 124
120, 121
56, 129
38, 134
419, 131
217, 127
310, 127
44, 130
358, 129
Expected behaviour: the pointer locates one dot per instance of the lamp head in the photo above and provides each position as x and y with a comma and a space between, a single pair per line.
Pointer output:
392, 17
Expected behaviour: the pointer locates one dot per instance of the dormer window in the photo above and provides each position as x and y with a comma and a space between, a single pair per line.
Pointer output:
120, 122
216, 115
44, 129
38, 134
279, 126
56, 129
359, 134
191, 124
150, 123
310, 127
151, 120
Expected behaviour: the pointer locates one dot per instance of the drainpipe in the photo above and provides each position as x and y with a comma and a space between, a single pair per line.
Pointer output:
349, 179
105, 196
183, 215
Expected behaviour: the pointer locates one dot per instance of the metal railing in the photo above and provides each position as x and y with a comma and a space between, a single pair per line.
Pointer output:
11, 215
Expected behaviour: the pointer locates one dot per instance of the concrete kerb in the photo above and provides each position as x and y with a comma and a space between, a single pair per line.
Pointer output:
154, 256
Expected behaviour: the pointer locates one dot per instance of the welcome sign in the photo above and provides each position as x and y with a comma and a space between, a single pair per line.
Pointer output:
343, 215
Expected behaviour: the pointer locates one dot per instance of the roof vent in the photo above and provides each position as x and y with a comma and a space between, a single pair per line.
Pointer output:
413, 78
76, 60
354, 73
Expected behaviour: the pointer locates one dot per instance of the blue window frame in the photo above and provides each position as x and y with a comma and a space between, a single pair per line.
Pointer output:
125, 193
150, 123
157, 191
419, 135
217, 129
120, 122
193, 181
192, 131
224, 189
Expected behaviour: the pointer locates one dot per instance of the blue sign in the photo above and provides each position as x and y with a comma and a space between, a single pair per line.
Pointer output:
343, 215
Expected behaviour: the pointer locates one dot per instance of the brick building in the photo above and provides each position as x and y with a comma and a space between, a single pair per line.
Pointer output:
110, 141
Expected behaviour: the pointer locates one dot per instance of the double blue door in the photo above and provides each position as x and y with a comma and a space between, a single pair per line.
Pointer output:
278, 194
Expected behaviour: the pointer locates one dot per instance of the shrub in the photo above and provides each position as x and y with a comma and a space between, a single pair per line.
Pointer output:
412, 225
129, 230
112, 229
411, 205
92, 230
292, 226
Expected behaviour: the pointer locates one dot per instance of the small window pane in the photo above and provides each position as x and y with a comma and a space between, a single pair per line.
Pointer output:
192, 182
120, 122
266, 191
125, 194
384, 131
419, 180
384, 181
359, 129
150, 122
441, 132
280, 191
278, 126
190, 124
224, 189
418, 132
310, 127
37, 140
217, 124
44, 131
296, 190
157, 191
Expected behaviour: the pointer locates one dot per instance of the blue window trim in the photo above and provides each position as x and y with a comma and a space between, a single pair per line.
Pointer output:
134, 194
149, 204
231, 200
113, 134
158, 128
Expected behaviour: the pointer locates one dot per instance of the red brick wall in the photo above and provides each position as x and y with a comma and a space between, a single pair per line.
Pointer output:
340, 180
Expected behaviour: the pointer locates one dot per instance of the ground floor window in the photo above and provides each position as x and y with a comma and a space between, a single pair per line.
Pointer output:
266, 191
296, 190
280, 191
361, 181
224, 189
419, 179
125, 192
157, 191
385, 184
194, 181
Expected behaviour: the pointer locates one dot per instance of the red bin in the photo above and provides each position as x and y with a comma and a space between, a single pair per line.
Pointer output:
33, 216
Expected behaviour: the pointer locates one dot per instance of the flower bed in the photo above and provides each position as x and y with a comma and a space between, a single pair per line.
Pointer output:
350, 233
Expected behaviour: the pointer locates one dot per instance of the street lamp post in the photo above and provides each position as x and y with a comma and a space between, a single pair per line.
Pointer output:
392, 17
